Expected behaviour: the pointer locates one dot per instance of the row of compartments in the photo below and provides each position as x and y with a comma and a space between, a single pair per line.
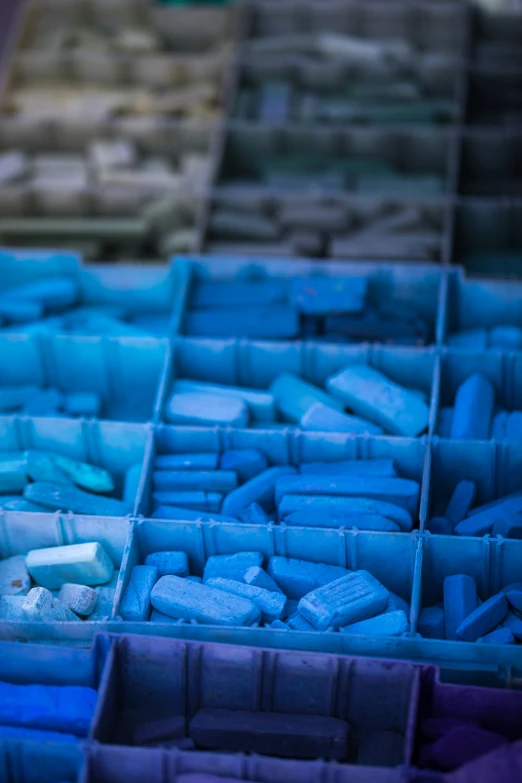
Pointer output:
140, 679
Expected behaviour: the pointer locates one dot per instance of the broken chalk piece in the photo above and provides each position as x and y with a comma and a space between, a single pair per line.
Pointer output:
231, 566
247, 463
257, 576
484, 618
80, 599
431, 623
254, 514
206, 410
173, 563
350, 599
223, 481
196, 461
323, 295
460, 600
260, 403
373, 396
389, 624
135, 604
461, 501
14, 578
186, 600
270, 604
293, 396
41, 606
473, 409
296, 578
498, 636
84, 564
260, 489
321, 418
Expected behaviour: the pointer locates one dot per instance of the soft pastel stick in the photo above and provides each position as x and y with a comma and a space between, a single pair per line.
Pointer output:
498, 636
260, 490
135, 604
481, 521
197, 500
83, 474
373, 396
460, 600
231, 566
46, 402
173, 562
247, 463
389, 624
321, 418
20, 312
484, 618
196, 461
296, 578
359, 521
352, 467
259, 578
260, 403
182, 599
223, 481
324, 295
294, 396
343, 506
206, 410
84, 564
350, 599
461, 501
473, 409
268, 322
14, 397
270, 604
56, 497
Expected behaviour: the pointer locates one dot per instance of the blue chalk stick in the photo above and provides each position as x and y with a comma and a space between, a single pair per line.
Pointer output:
484, 618
514, 426
270, 604
350, 599
57, 497
460, 600
199, 501
513, 624
36, 735
514, 597
66, 708
132, 482
343, 506
481, 520
269, 322
296, 578
223, 481
86, 404
473, 409
325, 295
498, 636
259, 578
440, 526
352, 467
53, 292
177, 512
322, 418
20, 312
431, 623
280, 625
196, 461
373, 396
260, 403
239, 293
173, 563
254, 515
508, 528
324, 519
294, 396
505, 337
231, 566
247, 463
389, 624
182, 599
461, 501
135, 604
260, 489
206, 410
396, 602
45, 402
499, 426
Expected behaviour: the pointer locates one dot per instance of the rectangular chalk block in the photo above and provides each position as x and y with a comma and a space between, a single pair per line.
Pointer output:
185, 600
174, 563
461, 501
66, 708
352, 467
198, 500
231, 566
207, 481
324, 295
473, 409
271, 733
270, 604
259, 578
373, 396
460, 600
80, 599
269, 322
389, 624
196, 461
247, 463
296, 578
293, 396
355, 597
484, 618
321, 418
135, 604
260, 489
260, 403
205, 410
84, 564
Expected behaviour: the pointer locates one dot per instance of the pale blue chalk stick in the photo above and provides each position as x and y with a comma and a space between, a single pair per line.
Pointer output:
14, 397
254, 514
235, 293
481, 521
499, 426
131, 484
270, 604
513, 624
484, 619
247, 463
259, 578
231, 566
269, 322
321, 418
445, 420
460, 600
350, 599
396, 602
498, 636
45, 402
196, 461
185, 600
296, 578
56, 497
40, 605
14, 577
373, 396
223, 481
11, 609
206, 410
514, 426
431, 623
169, 563
280, 625
440, 526
352, 467
196, 500
474, 339
261, 404
461, 501
84, 564
473, 409
399, 491
13, 475
86, 404
343, 506
135, 604
66, 708
53, 292
20, 312
84, 474
177, 512
294, 396
40, 466
324, 295
36, 735
505, 337
260, 489
388, 624
514, 597
324, 519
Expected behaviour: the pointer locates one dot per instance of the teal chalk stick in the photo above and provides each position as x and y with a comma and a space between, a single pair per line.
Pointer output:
174, 563
135, 604
189, 514
461, 501
484, 618
231, 566
14, 397
481, 520
294, 396
196, 461
247, 463
254, 514
270, 604
257, 576
53, 292
275, 322
84, 564
57, 497
197, 500
324, 519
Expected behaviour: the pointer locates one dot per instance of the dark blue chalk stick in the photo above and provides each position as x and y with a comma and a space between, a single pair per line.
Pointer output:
54, 707
321, 418
484, 619
294, 396
461, 501
401, 492
431, 623
209, 481
352, 467
272, 733
324, 295
461, 745
498, 636
342, 506
260, 490
260, 403
270, 322
186, 600
389, 624
197, 461
460, 600
247, 463
473, 339
514, 624
254, 515
53, 292
374, 329
199, 501
434, 728
514, 426
473, 409
271, 604
296, 578
359, 521
205, 410
177, 512
172, 563
440, 526
239, 294
154, 731
481, 520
